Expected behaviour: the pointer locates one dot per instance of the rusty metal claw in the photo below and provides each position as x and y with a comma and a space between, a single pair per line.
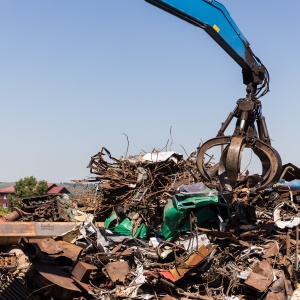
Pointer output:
230, 161
250, 132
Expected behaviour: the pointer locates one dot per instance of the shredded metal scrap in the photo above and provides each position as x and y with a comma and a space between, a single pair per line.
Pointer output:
167, 234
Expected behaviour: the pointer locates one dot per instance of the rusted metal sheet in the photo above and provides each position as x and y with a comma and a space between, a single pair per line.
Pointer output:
47, 245
117, 270
261, 276
51, 278
271, 249
69, 250
193, 260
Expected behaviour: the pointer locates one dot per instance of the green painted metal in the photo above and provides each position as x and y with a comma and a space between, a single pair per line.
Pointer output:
205, 206
125, 227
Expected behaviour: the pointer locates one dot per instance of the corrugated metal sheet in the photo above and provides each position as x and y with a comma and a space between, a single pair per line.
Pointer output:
15, 290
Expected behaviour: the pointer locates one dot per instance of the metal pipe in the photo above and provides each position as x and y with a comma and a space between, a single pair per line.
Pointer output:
227, 122
13, 216
285, 170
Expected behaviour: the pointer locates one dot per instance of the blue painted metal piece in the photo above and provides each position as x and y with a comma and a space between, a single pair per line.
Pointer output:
293, 185
213, 17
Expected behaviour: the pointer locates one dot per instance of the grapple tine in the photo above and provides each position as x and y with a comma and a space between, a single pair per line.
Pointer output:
233, 159
217, 141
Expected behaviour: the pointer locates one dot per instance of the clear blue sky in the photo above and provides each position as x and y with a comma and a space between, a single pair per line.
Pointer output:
76, 75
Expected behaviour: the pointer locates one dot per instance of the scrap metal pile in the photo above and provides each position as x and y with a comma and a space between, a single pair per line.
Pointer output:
51, 208
166, 234
143, 180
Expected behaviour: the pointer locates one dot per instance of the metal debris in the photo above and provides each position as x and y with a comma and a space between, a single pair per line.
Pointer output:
150, 227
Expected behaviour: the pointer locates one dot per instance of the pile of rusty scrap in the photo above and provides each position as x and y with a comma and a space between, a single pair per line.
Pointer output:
46, 208
144, 180
251, 255
88, 198
166, 235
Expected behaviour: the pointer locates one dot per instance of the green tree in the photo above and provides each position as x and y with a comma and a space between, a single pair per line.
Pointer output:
13, 201
28, 187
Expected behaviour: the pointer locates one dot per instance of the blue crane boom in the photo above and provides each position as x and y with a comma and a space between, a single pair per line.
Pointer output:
214, 18
251, 129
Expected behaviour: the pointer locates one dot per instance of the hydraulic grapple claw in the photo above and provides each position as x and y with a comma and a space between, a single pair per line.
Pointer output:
230, 161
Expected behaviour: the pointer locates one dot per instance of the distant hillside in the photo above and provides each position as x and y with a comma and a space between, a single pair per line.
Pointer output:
6, 184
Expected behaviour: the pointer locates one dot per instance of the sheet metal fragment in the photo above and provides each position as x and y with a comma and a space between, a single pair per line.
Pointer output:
118, 270
261, 276
193, 260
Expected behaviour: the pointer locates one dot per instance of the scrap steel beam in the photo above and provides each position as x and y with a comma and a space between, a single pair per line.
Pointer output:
11, 232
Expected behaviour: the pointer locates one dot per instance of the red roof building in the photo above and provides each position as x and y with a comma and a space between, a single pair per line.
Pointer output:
10, 190
58, 190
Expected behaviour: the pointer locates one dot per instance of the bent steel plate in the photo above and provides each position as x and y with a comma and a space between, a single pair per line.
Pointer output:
230, 161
